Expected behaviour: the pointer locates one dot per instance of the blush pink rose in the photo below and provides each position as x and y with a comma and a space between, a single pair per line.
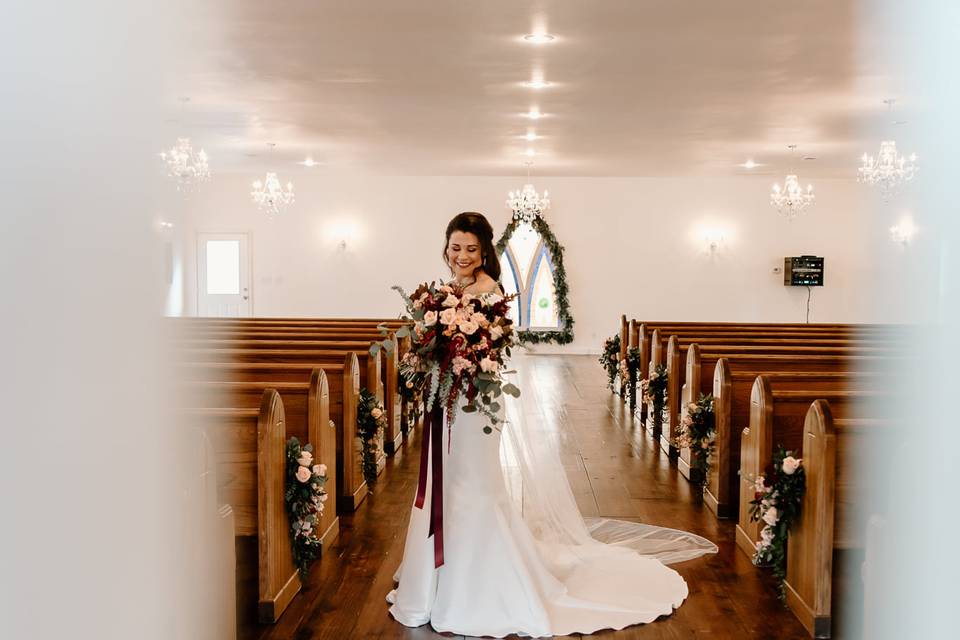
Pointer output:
303, 474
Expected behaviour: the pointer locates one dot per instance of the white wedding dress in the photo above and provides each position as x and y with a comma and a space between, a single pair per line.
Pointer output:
538, 573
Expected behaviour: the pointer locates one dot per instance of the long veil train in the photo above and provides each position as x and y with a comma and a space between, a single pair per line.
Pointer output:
538, 484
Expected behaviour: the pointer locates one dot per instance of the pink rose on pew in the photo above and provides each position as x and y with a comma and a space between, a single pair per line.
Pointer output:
376, 412
305, 459
653, 376
320, 469
430, 318
303, 474
790, 465
771, 516
448, 316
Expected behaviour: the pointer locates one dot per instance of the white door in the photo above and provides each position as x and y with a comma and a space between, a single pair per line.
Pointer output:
223, 275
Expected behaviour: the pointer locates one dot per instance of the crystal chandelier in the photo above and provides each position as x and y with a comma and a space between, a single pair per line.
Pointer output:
526, 204
790, 200
888, 170
187, 167
269, 195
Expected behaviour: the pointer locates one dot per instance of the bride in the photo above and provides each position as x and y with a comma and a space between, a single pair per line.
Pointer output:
540, 572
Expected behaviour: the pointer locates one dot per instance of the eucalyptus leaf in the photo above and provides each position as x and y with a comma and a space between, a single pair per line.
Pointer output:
388, 346
494, 407
487, 430
469, 408
403, 332
374, 348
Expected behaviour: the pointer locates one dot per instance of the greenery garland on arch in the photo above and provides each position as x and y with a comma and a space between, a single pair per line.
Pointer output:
565, 334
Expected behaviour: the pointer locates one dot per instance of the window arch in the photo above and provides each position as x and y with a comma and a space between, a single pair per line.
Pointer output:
529, 270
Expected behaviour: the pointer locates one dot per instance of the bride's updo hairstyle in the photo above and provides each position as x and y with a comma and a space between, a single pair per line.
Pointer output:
475, 223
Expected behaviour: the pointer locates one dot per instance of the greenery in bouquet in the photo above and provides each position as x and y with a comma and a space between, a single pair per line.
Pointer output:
304, 497
459, 343
778, 496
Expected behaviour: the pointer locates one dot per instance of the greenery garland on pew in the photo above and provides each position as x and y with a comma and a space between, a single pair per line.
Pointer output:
565, 334
610, 359
304, 497
371, 424
632, 362
655, 392
778, 495
697, 432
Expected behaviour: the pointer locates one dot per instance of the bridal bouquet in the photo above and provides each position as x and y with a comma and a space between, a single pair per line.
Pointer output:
459, 343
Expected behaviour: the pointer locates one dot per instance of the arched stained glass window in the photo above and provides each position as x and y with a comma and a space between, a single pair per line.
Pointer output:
528, 270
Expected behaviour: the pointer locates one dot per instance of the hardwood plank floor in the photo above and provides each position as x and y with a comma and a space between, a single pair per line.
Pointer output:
616, 470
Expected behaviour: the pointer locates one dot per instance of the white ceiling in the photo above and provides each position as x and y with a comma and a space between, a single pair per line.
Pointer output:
640, 87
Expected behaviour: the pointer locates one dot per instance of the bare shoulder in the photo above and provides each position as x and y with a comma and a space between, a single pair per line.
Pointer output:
484, 284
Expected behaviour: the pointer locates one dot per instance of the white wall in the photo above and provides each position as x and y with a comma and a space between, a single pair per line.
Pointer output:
633, 245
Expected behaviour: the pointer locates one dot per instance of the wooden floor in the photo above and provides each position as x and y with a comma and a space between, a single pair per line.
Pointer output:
615, 471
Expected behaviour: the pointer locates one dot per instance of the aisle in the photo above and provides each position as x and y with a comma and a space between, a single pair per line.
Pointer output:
615, 471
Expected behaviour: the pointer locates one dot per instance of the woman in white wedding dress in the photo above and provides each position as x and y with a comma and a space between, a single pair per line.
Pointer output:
540, 572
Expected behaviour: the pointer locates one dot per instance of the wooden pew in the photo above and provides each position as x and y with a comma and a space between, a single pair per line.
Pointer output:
370, 365
777, 419
732, 389
389, 371
678, 396
307, 409
343, 380
674, 358
832, 516
250, 448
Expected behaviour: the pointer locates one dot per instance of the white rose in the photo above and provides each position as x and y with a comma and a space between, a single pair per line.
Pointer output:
496, 332
691, 407
375, 412
790, 465
320, 469
653, 376
480, 319
430, 318
451, 300
771, 516
305, 459
469, 327
488, 365
303, 474
448, 316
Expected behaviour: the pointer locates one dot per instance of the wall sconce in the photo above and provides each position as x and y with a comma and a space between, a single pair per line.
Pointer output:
343, 234
342, 245
713, 241
903, 232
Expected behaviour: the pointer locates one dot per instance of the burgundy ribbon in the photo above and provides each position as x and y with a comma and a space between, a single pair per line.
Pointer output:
433, 430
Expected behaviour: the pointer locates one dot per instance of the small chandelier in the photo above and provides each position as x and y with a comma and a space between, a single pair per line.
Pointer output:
269, 195
526, 204
888, 170
790, 200
187, 167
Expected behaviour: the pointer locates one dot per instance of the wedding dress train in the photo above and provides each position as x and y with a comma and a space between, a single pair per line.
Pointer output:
538, 573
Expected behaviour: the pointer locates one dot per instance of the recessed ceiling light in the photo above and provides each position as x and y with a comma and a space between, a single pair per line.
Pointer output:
530, 153
309, 162
538, 38
809, 157
537, 83
531, 136
533, 114
749, 164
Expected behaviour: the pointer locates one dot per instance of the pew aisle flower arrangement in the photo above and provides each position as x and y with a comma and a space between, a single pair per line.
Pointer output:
459, 344
778, 495
632, 362
371, 424
654, 390
697, 432
304, 497
610, 359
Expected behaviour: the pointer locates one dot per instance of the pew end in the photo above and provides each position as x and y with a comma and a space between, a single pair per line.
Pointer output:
811, 542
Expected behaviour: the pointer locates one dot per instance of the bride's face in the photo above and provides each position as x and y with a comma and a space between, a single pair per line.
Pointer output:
464, 254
